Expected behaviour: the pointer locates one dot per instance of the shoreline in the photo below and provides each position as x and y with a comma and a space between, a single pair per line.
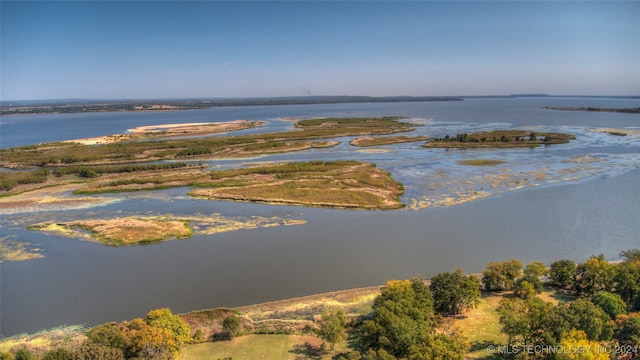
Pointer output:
168, 131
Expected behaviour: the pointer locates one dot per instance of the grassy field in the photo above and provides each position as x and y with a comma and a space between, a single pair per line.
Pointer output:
482, 327
254, 347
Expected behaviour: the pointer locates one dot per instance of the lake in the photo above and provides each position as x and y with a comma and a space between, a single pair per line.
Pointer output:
565, 201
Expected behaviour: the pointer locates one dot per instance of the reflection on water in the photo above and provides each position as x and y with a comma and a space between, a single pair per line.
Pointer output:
576, 200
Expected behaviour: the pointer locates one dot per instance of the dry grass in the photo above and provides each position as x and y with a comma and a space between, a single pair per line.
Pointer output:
67, 337
276, 347
482, 327
120, 231
339, 184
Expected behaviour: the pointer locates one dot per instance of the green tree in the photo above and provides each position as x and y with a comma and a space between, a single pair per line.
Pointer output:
588, 349
109, 334
93, 351
163, 318
333, 326
612, 304
24, 354
562, 273
536, 269
147, 341
588, 317
232, 325
594, 275
525, 289
402, 319
514, 319
454, 293
58, 354
449, 347
628, 330
627, 280
631, 255
499, 276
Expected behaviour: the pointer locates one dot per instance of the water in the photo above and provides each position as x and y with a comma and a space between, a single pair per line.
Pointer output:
577, 210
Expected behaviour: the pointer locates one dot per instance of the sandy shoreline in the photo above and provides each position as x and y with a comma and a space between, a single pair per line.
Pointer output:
162, 131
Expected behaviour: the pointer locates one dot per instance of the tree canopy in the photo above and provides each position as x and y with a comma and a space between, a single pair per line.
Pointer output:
454, 292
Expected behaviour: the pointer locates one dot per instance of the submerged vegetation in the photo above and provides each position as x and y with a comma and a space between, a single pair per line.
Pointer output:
12, 249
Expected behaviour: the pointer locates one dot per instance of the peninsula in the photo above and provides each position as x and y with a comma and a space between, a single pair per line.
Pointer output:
594, 109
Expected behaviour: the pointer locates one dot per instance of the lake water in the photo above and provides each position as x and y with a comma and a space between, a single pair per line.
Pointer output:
564, 201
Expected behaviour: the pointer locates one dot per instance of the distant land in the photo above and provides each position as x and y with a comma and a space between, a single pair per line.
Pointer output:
58, 106
593, 109
89, 105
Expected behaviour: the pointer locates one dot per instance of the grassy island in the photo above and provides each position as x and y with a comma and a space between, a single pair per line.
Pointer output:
500, 139
137, 230
336, 184
120, 231
594, 109
386, 140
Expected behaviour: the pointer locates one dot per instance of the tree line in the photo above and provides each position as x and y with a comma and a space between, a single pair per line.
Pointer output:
407, 317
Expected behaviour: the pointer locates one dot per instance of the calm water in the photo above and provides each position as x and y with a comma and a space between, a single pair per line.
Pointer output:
576, 210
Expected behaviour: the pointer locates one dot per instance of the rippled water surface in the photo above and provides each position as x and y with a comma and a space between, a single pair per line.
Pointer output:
563, 201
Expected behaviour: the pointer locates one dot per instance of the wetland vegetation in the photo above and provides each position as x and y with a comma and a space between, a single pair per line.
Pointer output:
500, 139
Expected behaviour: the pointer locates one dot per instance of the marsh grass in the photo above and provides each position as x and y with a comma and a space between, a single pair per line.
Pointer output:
386, 140
481, 162
341, 184
122, 231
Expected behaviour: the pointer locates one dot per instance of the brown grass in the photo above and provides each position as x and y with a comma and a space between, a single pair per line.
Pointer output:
346, 184
120, 231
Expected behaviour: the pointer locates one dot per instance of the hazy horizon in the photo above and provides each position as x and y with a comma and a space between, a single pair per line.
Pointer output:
187, 50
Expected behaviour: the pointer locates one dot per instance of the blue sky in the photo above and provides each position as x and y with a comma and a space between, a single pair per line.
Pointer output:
144, 49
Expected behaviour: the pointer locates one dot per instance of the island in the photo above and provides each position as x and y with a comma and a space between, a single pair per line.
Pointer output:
595, 109
142, 230
386, 140
500, 139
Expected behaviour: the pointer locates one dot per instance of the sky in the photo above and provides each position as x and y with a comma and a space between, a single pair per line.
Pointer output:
211, 49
